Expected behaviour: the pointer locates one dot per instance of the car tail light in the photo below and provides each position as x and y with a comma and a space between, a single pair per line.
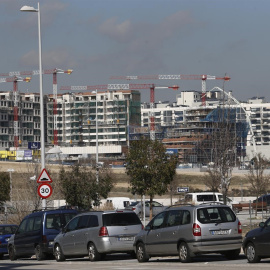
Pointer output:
197, 230
142, 227
44, 239
103, 231
133, 208
239, 227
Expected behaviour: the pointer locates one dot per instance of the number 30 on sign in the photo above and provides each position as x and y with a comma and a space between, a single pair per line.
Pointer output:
44, 191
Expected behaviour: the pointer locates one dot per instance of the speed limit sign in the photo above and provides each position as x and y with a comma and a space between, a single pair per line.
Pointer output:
44, 191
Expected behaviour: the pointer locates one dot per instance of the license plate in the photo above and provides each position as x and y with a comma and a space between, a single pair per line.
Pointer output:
126, 239
220, 232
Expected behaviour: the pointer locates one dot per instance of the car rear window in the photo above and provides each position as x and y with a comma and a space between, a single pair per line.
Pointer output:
120, 219
215, 215
206, 198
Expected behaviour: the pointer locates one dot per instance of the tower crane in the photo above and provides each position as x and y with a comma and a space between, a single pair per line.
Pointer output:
54, 71
203, 78
152, 88
15, 81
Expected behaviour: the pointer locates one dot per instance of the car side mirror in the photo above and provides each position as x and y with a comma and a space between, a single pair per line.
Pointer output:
261, 224
148, 228
63, 230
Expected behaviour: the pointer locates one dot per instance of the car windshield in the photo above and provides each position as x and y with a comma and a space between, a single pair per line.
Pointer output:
215, 215
120, 219
7, 230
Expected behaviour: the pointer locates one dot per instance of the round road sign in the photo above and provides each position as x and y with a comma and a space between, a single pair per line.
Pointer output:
44, 191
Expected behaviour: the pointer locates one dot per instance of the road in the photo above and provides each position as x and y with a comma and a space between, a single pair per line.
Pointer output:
123, 262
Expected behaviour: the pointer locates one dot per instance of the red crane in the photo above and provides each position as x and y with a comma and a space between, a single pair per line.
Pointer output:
54, 71
203, 78
152, 88
15, 81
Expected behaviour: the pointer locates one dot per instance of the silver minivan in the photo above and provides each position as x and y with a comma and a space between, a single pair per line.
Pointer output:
189, 230
96, 234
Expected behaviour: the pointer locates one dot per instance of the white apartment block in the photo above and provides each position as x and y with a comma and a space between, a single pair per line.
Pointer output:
77, 114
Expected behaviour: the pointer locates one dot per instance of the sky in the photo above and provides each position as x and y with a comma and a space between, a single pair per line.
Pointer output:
99, 39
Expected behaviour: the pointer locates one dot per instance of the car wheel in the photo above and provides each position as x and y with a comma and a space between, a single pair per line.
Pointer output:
232, 254
12, 253
1, 256
184, 254
58, 254
251, 254
141, 254
39, 254
93, 254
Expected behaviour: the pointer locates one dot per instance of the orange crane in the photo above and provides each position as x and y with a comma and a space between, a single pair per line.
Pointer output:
15, 81
203, 78
152, 88
54, 71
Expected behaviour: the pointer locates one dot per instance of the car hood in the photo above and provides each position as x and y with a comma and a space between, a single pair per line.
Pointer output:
254, 232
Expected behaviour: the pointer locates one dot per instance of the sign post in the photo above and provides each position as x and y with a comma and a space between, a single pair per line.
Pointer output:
44, 189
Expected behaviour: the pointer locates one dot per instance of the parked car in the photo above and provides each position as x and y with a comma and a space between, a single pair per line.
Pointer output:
96, 234
263, 199
36, 233
189, 230
205, 197
137, 207
5, 233
256, 243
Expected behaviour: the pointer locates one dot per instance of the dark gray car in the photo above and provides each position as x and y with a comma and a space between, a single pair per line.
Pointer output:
96, 234
190, 230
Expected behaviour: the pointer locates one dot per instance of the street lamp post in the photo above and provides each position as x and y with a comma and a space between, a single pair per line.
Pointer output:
42, 135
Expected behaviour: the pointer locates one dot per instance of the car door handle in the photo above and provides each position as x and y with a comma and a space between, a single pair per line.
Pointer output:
86, 233
158, 234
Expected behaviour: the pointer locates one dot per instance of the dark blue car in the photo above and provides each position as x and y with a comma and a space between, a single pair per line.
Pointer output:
5, 232
36, 233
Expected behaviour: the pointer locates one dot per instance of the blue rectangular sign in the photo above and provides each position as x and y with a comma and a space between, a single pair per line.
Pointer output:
33, 145
182, 189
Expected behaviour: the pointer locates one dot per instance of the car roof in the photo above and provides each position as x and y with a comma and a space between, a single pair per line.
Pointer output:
189, 206
52, 211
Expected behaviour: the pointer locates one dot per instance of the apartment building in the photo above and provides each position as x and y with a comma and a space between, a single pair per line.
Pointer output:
28, 123
77, 113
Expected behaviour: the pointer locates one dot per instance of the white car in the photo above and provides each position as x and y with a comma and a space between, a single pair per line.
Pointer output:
137, 207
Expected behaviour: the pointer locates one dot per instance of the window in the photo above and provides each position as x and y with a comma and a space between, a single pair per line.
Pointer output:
93, 221
186, 217
73, 224
22, 227
215, 214
37, 223
158, 221
68, 217
30, 224
53, 221
83, 222
206, 198
174, 218
120, 219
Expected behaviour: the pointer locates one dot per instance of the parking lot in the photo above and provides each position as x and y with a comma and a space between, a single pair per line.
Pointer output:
125, 262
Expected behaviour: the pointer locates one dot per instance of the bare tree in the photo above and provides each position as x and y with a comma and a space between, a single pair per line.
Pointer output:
257, 178
212, 180
224, 141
